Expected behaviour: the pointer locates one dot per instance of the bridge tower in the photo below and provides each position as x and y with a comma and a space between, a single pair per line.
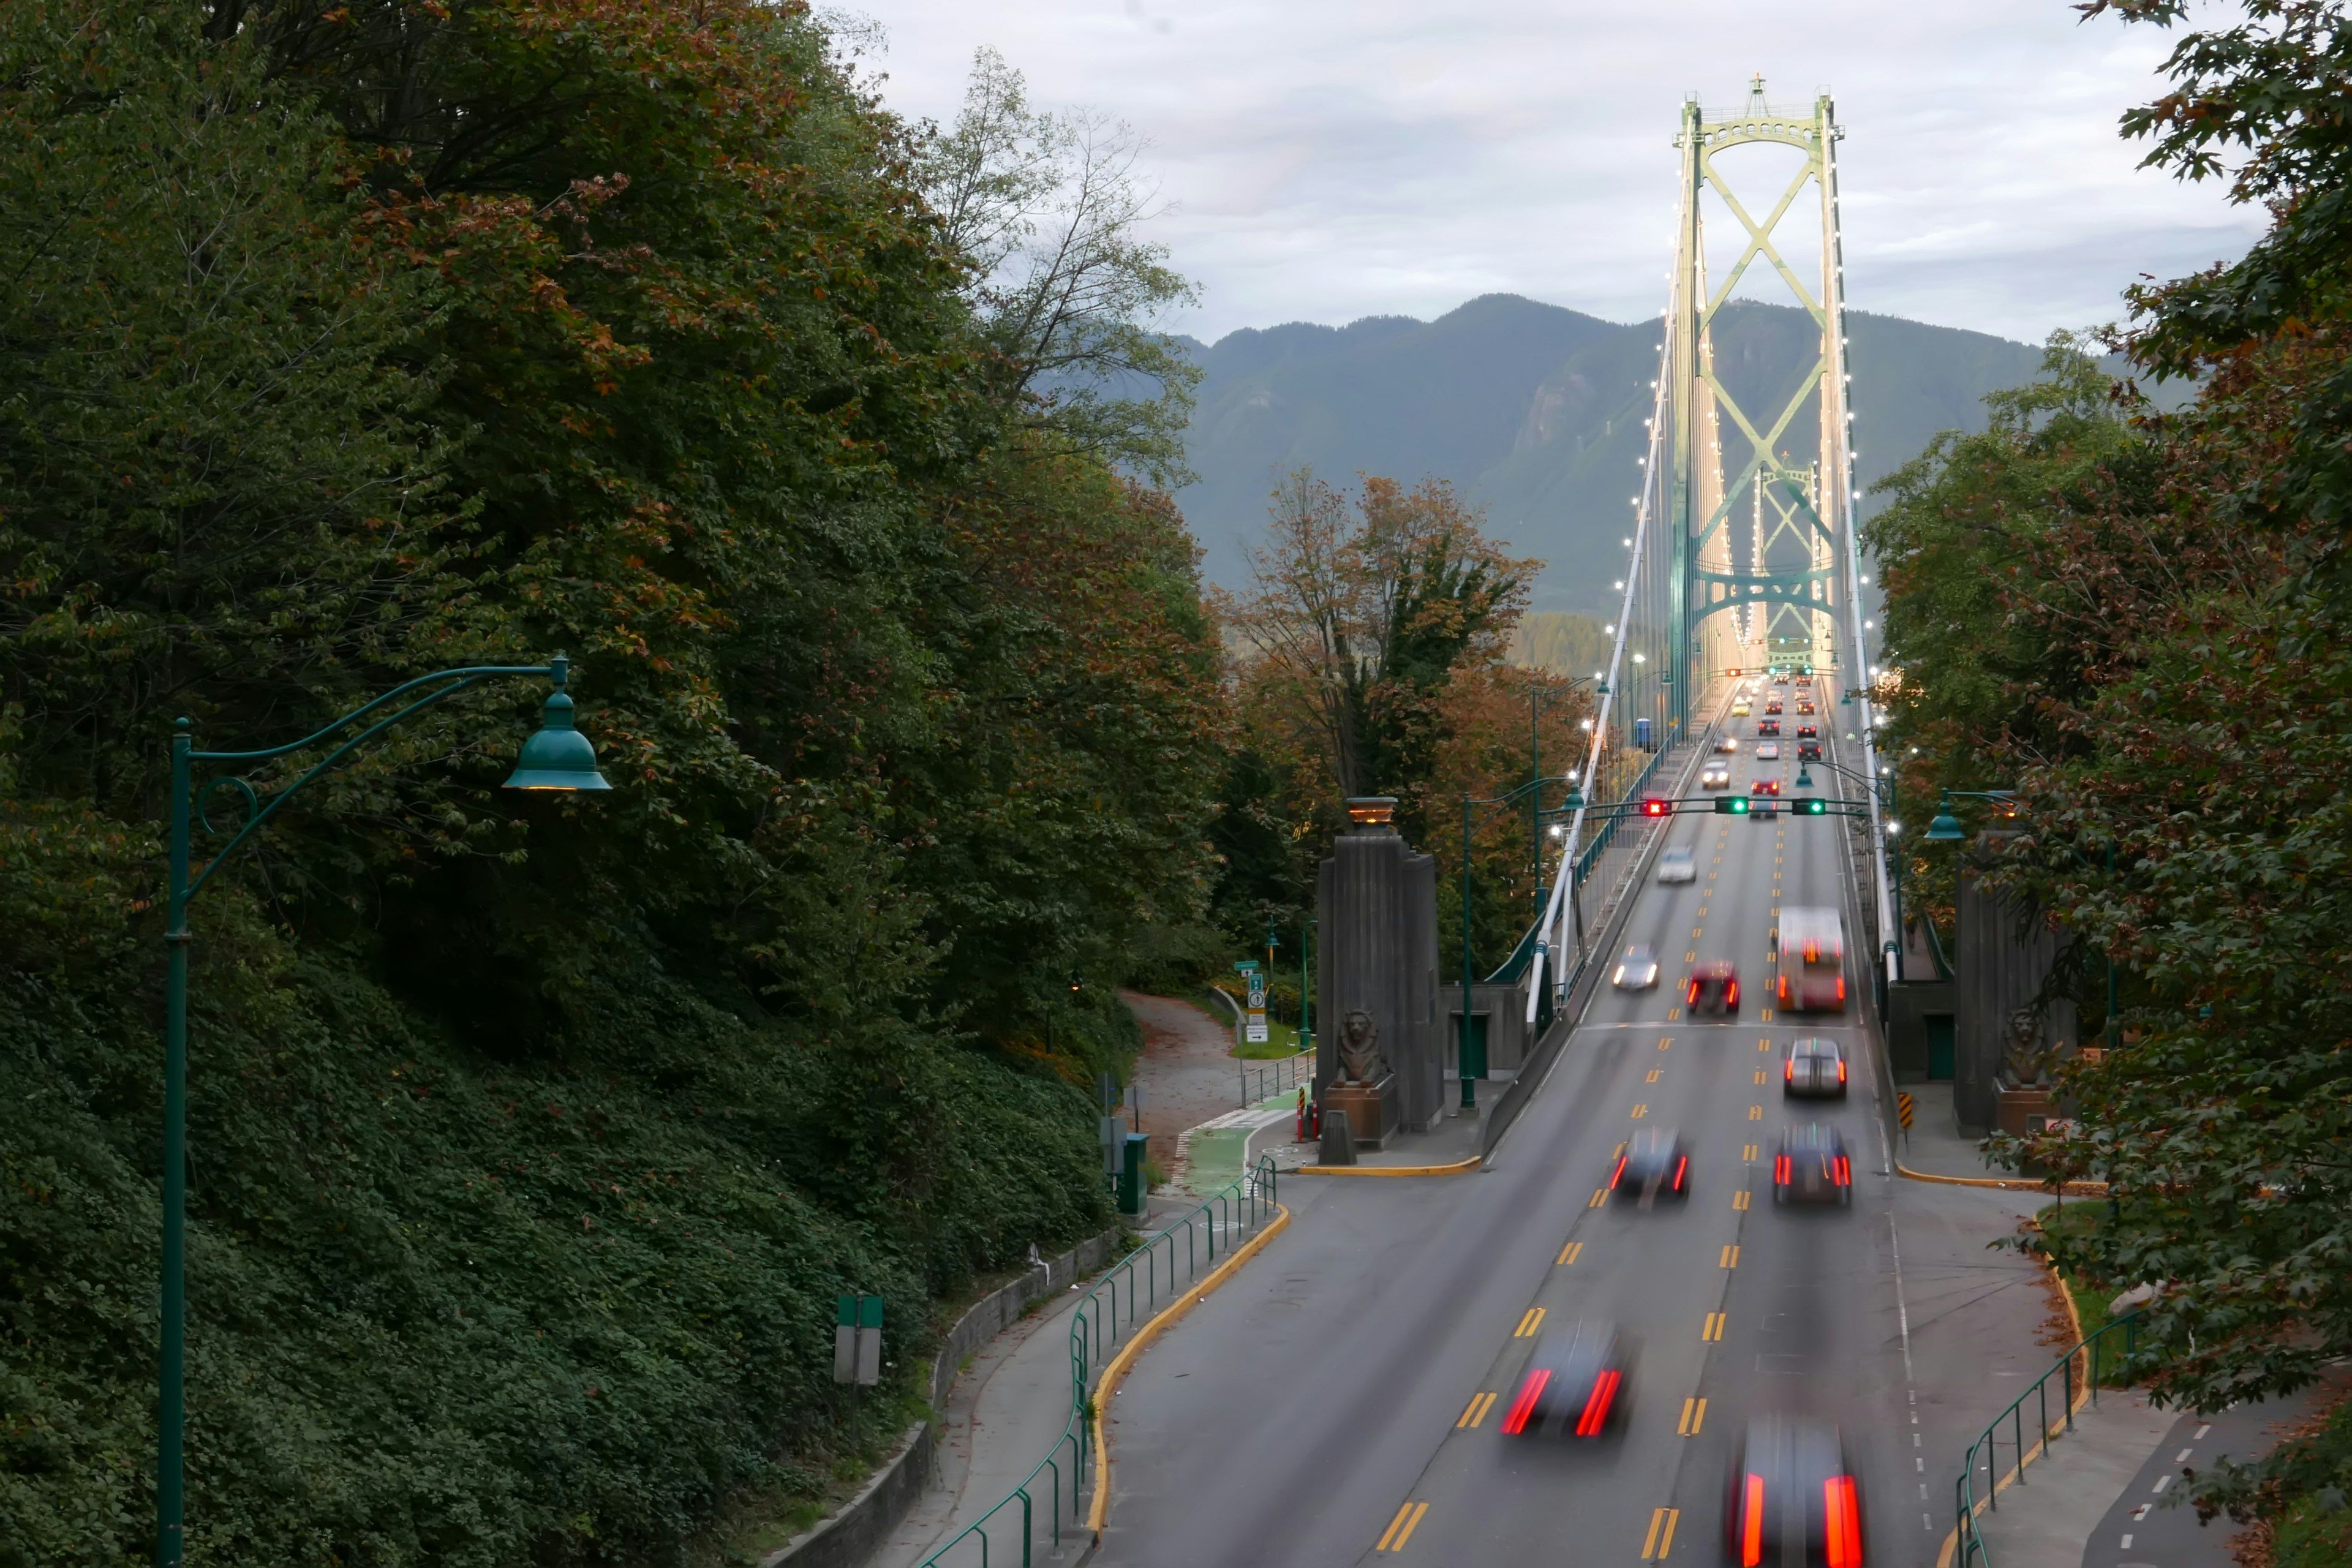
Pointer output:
1759, 499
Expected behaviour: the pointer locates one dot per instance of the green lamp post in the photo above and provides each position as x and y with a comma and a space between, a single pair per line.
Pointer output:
557, 757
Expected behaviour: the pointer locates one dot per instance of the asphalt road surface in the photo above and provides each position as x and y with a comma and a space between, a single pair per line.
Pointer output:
1330, 1406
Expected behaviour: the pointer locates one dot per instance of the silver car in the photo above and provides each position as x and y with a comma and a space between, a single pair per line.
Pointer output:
1768, 751
1677, 865
1814, 1066
1715, 775
1638, 970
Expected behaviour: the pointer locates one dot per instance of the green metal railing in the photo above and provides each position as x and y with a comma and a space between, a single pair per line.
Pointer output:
1208, 1233
1260, 1079
1972, 1549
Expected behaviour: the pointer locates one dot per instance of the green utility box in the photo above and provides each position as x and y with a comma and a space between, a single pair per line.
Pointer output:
1130, 1174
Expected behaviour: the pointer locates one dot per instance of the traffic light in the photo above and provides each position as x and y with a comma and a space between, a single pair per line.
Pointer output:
1731, 805
1653, 807
1809, 805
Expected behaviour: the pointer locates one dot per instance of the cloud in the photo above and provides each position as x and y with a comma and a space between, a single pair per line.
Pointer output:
1331, 160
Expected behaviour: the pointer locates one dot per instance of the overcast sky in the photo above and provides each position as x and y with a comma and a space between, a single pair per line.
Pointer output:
1334, 159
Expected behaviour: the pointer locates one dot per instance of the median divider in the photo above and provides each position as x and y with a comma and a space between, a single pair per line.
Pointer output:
1122, 1308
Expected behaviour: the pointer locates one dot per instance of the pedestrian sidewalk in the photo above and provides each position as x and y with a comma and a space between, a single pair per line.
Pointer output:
1007, 1409
2045, 1518
1933, 1145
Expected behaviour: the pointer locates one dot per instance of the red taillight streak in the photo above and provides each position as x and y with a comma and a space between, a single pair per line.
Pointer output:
1731, 995
1596, 1408
1781, 1169
1751, 1523
1788, 1069
1693, 994
1845, 1171
1843, 1521
1841, 987
1516, 1421
1617, 1173
1680, 1166
1841, 1065
1784, 991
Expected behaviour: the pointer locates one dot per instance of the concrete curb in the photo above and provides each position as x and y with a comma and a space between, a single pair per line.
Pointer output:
1109, 1384
2070, 1189
1459, 1167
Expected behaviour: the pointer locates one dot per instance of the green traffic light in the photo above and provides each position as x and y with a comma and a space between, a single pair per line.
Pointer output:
1814, 806
1731, 805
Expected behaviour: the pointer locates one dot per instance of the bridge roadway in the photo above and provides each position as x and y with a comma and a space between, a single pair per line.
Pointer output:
1327, 1401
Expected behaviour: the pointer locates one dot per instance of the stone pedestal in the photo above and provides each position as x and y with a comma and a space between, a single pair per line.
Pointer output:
2012, 1105
1368, 1109
1377, 903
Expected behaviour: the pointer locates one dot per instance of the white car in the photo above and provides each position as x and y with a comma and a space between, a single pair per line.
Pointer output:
1677, 865
1638, 970
1768, 751
1715, 775
1728, 743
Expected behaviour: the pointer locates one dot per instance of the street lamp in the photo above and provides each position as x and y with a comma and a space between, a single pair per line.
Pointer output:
556, 757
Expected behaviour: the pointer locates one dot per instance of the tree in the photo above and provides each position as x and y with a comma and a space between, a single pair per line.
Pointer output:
1049, 208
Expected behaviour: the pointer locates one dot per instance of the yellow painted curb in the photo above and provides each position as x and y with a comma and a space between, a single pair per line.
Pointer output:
1455, 1169
1118, 1367
2082, 1397
2072, 1190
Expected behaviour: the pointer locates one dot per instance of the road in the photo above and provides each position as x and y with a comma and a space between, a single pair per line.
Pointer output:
1329, 1409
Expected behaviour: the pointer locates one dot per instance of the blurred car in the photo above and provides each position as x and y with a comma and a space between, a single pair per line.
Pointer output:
1728, 744
1715, 775
1791, 1499
1765, 786
1652, 1165
1768, 726
1814, 1065
1808, 731
1677, 865
1809, 751
1638, 970
1739, 709
1768, 751
1811, 1166
1804, 705
1578, 1384
1774, 706
1713, 987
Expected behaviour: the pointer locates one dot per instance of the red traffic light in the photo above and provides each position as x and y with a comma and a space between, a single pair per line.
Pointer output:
1653, 807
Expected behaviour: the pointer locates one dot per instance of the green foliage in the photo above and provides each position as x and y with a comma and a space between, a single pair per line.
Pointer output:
532, 1139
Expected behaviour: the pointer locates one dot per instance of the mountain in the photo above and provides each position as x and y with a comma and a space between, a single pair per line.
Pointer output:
1535, 411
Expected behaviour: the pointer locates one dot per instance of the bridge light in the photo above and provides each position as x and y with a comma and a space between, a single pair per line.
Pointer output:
1617, 584
1892, 828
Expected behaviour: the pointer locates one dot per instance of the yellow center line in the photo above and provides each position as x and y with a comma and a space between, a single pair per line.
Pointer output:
1694, 1416
1476, 1410
1759, 1075
1401, 1528
1661, 1539
1532, 1320
1664, 1040
1763, 1045
1747, 1151
1568, 1254
1713, 1330
1657, 1073
1642, 1110
1730, 1260
1600, 1194
1755, 1113
1739, 1199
